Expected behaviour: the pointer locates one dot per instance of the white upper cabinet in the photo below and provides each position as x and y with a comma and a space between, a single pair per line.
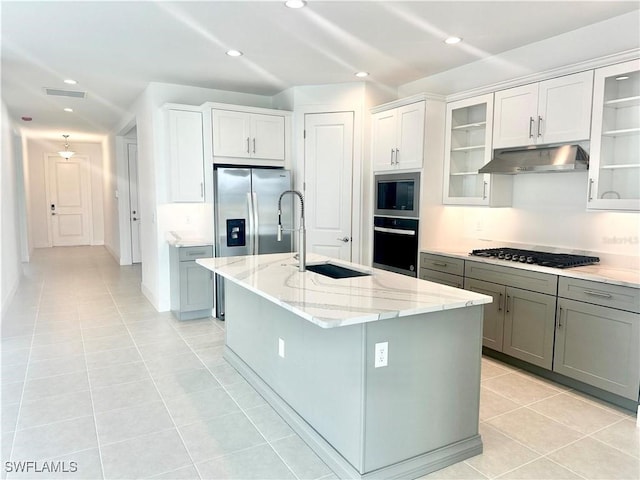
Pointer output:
238, 134
553, 111
186, 156
467, 149
398, 137
614, 167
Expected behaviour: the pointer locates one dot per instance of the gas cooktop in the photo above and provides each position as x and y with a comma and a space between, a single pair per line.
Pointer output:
545, 259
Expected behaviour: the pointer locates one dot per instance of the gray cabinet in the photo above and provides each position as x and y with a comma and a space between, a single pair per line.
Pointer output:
595, 343
191, 284
442, 269
520, 322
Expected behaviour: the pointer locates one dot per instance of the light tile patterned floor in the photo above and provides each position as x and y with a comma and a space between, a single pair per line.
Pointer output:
92, 374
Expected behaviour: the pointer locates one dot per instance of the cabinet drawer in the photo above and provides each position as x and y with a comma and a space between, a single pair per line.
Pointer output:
440, 277
192, 253
442, 263
514, 277
614, 296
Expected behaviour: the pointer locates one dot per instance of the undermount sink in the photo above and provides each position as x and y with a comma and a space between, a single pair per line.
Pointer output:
335, 271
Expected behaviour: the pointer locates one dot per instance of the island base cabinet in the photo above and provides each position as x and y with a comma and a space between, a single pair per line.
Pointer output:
416, 415
599, 346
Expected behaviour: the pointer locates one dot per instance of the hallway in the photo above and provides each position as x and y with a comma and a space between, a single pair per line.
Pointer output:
97, 384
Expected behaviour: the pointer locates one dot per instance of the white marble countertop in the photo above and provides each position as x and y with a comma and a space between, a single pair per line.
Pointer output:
598, 272
329, 302
177, 239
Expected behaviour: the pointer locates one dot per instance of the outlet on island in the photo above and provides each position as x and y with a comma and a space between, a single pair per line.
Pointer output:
281, 347
381, 354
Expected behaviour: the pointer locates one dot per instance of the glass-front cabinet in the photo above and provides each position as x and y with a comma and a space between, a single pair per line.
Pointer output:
614, 170
467, 149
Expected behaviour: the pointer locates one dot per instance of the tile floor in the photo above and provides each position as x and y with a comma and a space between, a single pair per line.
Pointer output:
92, 374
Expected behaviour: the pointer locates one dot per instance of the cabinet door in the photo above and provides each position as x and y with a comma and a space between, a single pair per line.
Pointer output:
268, 137
599, 346
515, 116
614, 170
529, 326
384, 127
186, 152
493, 321
564, 108
410, 136
231, 134
196, 287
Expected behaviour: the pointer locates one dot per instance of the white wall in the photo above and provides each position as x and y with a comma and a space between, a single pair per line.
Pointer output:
10, 247
109, 199
37, 149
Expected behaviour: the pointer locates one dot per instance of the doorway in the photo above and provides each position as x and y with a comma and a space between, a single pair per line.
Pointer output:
68, 190
328, 183
134, 207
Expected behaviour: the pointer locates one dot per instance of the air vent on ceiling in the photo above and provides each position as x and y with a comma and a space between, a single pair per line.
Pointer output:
64, 93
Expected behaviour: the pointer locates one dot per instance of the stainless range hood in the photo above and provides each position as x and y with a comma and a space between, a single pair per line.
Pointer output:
545, 158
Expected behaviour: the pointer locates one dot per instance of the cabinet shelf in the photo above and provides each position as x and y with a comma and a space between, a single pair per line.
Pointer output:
470, 126
623, 102
468, 149
616, 167
621, 132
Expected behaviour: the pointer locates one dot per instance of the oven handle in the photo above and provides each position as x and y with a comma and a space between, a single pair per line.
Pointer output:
394, 230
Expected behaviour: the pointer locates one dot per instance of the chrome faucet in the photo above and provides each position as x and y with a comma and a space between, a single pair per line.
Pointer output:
302, 244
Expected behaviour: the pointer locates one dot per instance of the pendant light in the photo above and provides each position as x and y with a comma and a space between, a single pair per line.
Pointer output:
66, 153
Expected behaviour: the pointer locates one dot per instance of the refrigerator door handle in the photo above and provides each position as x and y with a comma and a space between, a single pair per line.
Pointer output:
256, 224
250, 225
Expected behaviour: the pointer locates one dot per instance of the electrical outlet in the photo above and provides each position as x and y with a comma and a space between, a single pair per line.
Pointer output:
381, 355
281, 347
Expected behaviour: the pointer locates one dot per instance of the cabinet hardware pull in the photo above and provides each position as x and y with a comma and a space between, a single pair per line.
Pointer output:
247, 144
397, 152
392, 150
201, 190
484, 190
559, 317
539, 126
394, 230
440, 264
598, 294
254, 145
508, 310
590, 196
530, 127
500, 303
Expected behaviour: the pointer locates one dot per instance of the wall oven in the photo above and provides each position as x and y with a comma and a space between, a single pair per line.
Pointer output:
395, 244
397, 195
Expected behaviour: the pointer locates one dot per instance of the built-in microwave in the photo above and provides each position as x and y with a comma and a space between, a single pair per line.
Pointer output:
397, 195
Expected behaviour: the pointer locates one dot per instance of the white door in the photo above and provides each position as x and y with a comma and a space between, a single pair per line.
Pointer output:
134, 211
328, 183
69, 200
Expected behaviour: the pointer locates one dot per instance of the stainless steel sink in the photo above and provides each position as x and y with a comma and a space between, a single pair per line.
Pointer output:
335, 271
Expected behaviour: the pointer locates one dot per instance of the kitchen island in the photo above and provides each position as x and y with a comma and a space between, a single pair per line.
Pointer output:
379, 374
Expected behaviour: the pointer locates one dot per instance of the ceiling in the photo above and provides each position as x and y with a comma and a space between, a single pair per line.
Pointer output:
114, 49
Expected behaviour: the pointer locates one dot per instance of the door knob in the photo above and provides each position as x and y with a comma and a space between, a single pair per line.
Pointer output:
344, 239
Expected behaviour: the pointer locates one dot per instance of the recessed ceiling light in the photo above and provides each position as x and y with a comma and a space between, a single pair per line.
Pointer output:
234, 53
452, 40
362, 74
295, 3
68, 109
70, 81
622, 77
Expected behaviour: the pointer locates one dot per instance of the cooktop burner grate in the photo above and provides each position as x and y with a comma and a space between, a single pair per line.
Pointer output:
545, 259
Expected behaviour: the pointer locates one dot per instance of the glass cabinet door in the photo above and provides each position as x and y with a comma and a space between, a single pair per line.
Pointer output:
468, 148
614, 170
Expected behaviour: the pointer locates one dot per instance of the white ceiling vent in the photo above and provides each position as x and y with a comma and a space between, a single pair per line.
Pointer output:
64, 93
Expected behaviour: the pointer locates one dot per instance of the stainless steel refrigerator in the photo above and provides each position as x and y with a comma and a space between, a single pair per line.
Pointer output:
246, 215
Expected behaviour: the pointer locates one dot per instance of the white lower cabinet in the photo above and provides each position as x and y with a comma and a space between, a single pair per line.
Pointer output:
597, 344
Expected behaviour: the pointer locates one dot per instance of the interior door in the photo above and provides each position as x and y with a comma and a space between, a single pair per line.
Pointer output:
328, 183
69, 200
134, 211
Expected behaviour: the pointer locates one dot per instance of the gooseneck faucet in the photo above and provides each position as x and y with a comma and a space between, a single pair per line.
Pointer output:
302, 247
